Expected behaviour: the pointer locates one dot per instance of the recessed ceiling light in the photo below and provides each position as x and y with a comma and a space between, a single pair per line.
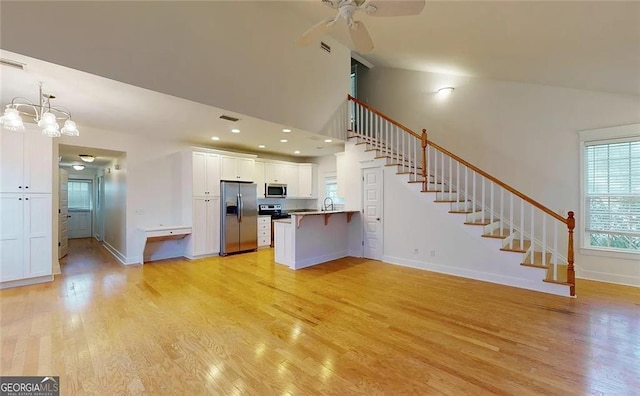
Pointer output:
286, 130
215, 138
297, 152
283, 140
78, 167
328, 140
261, 146
235, 130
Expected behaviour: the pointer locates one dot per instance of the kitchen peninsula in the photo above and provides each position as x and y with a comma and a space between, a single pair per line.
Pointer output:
310, 238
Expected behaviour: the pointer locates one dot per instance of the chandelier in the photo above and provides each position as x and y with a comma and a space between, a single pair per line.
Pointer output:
42, 113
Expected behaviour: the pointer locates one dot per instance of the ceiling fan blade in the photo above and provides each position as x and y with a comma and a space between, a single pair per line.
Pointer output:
331, 3
315, 32
391, 8
360, 37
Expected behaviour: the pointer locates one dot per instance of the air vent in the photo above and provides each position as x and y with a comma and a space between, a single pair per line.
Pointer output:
325, 47
10, 63
229, 118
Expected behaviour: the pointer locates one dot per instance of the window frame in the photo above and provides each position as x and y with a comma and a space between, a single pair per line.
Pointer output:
616, 134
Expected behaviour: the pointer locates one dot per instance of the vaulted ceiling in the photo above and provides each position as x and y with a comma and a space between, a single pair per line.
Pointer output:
170, 47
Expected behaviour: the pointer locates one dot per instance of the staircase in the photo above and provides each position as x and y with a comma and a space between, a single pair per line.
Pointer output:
542, 238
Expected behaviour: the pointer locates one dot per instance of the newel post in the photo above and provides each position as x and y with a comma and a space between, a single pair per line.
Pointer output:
424, 159
571, 275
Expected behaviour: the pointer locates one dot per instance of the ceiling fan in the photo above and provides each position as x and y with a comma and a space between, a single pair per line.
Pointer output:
359, 34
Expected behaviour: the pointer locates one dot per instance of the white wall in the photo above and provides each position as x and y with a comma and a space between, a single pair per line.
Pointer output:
523, 134
115, 207
235, 55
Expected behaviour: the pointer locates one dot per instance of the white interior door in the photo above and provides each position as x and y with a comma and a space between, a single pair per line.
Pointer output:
63, 211
79, 224
372, 208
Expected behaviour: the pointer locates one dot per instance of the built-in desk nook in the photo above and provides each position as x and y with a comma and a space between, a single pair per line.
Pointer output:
159, 234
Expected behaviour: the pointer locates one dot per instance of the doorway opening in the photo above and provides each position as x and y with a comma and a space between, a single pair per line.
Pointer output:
85, 177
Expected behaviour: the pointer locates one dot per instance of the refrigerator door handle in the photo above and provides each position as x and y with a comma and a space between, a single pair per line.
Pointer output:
240, 208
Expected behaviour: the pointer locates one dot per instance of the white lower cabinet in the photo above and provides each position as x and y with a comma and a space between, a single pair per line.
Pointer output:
264, 231
206, 226
25, 236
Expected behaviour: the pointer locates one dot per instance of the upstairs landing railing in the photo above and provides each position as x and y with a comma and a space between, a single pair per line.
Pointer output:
526, 225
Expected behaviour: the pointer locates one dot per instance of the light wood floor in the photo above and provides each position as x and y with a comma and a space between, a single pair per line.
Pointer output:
244, 325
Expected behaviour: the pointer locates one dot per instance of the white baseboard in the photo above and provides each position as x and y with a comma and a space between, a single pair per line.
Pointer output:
26, 282
319, 259
544, 287
119, 256
608, 277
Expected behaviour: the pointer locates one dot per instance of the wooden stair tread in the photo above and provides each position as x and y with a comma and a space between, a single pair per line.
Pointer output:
449, 201
480, 222
498, 233
562, 274
515, 246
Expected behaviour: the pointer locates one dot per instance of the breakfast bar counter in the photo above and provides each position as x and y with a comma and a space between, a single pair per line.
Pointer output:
310, 238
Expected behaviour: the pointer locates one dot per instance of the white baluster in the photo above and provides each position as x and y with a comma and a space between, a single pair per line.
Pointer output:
491, 208
484, 205
533, 240
521, 227
511, 220
555, 250
544, 239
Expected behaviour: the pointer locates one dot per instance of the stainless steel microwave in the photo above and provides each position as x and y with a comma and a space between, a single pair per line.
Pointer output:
273, 190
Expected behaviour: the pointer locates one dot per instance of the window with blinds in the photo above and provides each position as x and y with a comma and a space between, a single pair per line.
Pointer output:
79, 194
612, 195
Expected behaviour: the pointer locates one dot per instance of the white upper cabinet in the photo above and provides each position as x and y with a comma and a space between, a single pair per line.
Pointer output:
258, 177
237, 168
26, 160
307, 180
206, 174
291, 179
275, 172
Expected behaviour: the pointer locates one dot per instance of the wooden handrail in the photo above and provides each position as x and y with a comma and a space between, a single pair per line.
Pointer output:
379, 114
467, 164
501, 184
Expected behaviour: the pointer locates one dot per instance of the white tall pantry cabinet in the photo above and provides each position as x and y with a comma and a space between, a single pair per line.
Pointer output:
26, 166
201, 202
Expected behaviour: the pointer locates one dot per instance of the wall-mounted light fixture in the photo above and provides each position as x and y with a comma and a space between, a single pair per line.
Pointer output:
445, 91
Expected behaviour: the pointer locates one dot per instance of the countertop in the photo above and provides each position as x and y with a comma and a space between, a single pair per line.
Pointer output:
321, 212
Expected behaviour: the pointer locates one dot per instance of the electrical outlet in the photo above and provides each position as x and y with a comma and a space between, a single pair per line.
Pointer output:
433, 253
416, 251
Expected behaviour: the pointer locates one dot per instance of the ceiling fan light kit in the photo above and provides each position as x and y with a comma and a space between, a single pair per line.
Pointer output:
358, 32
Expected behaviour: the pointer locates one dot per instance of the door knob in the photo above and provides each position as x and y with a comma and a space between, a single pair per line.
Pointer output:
378, 218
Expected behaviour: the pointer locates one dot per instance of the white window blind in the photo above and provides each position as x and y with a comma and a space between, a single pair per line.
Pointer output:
79, 194
613, 195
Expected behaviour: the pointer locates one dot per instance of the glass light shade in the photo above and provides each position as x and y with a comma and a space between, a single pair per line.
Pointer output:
85, 157
11, 120
51, 130
71, 129
47, 119
78, 167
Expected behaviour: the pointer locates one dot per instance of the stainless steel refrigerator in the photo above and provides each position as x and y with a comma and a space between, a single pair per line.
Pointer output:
239, 217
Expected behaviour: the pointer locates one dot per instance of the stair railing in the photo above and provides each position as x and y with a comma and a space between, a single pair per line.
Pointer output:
531, 227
